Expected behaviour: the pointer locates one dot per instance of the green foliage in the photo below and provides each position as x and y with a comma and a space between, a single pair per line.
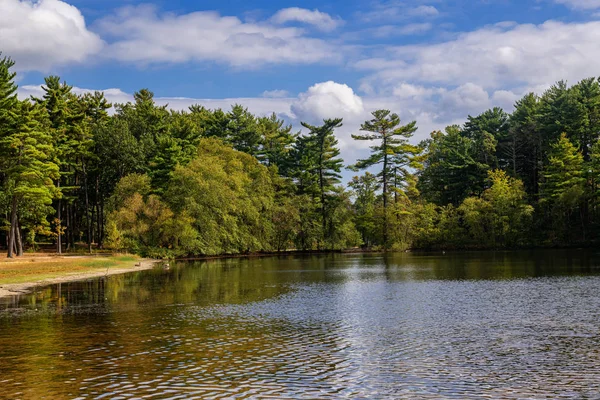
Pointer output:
317, 174
563, 175
365, 189
143, 178
500, 217
452, 171
394, 152
229, 196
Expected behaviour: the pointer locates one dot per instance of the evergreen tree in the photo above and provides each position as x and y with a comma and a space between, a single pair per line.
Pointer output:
325, 165
564, 171
489, 131
526, 140
277, 140
393, 152
452, 171
365, 193
27, 149
242, 131
563, 188
71, 141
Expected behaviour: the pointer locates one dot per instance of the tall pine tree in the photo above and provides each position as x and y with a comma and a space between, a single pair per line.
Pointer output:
393, 152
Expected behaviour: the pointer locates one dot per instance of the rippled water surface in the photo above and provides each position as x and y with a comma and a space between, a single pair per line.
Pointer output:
478, 325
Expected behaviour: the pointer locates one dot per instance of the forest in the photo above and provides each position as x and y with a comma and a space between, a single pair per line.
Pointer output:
141, 178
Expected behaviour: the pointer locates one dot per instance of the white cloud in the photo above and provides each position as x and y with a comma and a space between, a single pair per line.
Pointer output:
41, 34
327, 100
277, 93
321, 20
143, 36
580, 4
494, 57
397, 10
113, 95
388, 31
424, 11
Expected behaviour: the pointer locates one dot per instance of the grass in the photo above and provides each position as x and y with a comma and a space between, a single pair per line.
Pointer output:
32, 268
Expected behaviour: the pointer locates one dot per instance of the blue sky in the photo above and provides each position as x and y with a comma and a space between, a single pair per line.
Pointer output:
432, 61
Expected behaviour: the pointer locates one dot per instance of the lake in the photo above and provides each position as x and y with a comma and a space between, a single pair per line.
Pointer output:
455, 325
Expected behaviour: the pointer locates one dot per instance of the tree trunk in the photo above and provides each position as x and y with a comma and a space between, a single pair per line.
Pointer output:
322, 186
59, 224
12, 231
19, 238
514, 154
69, 226
101, 223
88, 220
98, 214
14, 246
385, 190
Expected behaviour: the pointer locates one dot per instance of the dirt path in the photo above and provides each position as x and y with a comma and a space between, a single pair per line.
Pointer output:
12, 289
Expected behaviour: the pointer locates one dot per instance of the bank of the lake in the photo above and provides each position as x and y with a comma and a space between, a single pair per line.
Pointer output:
22, 275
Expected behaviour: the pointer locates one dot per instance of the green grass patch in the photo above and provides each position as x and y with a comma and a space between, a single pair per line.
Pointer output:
28, 269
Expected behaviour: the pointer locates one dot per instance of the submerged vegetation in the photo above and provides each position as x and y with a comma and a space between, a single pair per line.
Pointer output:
159, 182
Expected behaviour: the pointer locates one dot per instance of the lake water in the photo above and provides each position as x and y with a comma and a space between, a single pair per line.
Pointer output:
476, 325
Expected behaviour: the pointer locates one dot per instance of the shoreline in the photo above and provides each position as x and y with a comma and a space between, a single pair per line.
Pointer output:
16, 289
24, 288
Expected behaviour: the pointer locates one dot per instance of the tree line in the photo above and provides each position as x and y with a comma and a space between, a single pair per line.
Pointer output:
147, 179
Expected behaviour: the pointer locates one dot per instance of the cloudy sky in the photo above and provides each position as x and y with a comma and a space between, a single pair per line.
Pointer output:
432, 61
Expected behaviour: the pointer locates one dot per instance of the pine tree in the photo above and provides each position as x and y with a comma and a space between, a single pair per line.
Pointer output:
526, 140
27, 149
321, 152
490, 132
564, 171
394, 152
277, 140
8, 103
563, 187
242, 131
452, 172
65, 120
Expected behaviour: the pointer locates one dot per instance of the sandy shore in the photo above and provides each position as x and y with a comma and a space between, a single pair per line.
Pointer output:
12, 289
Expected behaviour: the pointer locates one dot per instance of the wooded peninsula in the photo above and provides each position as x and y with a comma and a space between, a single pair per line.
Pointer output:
162, 183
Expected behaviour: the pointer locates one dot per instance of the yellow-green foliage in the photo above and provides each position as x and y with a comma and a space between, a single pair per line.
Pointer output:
228, 196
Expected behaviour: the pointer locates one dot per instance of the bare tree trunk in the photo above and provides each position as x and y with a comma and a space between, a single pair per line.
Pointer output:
14, 244
59, 225
101, 223
88, 220
385, 190
19, 239
12, 231
69, 226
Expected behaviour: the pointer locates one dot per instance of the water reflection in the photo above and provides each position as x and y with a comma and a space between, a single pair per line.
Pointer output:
501, 325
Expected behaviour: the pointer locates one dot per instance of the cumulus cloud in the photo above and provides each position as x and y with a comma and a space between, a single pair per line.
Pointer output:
141, 35
321, 20
495, 57
327, 100
39, 35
